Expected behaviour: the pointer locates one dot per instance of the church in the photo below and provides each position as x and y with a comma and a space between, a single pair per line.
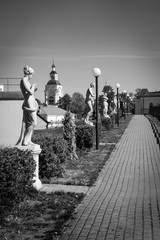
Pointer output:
49, 115
53, 89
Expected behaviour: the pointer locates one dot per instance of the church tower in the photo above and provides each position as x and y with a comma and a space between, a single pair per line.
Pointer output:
53, 89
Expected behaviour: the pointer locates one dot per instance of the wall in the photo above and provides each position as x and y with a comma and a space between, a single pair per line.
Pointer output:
10, 121
142, 105
56, 121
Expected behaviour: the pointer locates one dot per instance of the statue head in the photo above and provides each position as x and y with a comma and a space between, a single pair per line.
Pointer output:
92, 85
28, 70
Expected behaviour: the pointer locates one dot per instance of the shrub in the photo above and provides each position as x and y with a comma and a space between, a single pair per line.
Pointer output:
17, 169
84, 136
69, 129
113, 118
106, 123
54, 153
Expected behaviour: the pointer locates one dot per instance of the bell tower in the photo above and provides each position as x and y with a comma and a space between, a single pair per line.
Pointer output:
53, 89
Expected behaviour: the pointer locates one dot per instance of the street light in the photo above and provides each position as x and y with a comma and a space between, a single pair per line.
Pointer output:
117, 86
124, 107
96, 73
128, 99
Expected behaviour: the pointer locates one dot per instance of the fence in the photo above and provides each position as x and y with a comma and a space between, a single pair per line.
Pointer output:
9, 84
155, 112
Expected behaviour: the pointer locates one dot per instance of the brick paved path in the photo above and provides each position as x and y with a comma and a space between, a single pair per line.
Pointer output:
125, 202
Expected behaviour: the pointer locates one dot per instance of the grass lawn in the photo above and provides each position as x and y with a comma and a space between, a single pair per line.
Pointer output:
44, 216
40, 216
85, 170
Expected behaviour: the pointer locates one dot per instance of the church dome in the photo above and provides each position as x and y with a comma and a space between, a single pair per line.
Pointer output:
53, 82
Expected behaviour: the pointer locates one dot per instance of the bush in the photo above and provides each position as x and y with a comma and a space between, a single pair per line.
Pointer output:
17, 169
106, 123
54, 153
84, 136
69, 129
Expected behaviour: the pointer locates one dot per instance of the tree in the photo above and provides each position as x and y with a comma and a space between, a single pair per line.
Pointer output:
77, 105
101, 104
64, 102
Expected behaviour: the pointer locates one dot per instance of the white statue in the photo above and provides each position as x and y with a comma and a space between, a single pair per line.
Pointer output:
30, 107
90, 102
105, 105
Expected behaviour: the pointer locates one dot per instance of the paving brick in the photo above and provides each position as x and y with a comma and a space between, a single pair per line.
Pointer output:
124, 203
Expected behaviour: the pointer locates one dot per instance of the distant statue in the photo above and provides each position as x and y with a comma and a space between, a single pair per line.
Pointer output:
105, 106
30, 107
90, 102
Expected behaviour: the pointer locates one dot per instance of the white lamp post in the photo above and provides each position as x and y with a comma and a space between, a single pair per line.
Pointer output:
117, 86
96, 73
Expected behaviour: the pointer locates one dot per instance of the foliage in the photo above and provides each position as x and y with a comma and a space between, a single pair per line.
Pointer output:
110, 93
77, 105
54, 153
84, 136
123, 96
64, 102
113, 117
106, 123
137, 90
17, 169
101, 104
69, 134
40, 216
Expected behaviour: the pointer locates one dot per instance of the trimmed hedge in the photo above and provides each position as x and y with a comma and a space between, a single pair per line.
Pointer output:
54, 153
84, 136
106, 122
17, 169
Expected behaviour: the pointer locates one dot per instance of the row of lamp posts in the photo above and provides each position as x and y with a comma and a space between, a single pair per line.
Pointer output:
96, 73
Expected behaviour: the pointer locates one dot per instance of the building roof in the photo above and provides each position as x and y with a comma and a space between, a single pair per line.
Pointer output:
142, 92
17, 95
53, 82
145, 93
51, 110
153, 94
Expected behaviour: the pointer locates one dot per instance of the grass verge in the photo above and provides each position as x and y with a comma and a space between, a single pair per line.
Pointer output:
40, 216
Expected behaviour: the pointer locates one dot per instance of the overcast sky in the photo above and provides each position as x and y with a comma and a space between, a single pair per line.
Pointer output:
121, 37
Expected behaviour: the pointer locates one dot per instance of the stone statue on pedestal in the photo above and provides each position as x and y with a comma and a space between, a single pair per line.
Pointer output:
90, 102
105, 104
30, 107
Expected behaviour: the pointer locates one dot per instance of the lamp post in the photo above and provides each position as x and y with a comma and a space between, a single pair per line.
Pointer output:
128, 98
124, 108
96, 73
117, 86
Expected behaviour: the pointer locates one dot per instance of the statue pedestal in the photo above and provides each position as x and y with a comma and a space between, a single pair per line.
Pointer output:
35, 150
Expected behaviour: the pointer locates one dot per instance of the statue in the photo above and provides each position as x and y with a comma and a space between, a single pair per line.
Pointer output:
105, 104
90, 102
30, 107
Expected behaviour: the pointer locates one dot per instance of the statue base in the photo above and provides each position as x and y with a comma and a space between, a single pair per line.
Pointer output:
35, 150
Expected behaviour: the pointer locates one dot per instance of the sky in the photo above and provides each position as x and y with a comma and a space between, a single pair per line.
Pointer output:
121, 37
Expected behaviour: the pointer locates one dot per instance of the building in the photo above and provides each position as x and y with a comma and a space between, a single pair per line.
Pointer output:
145, 99
49, 114
53, 88
52, 115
